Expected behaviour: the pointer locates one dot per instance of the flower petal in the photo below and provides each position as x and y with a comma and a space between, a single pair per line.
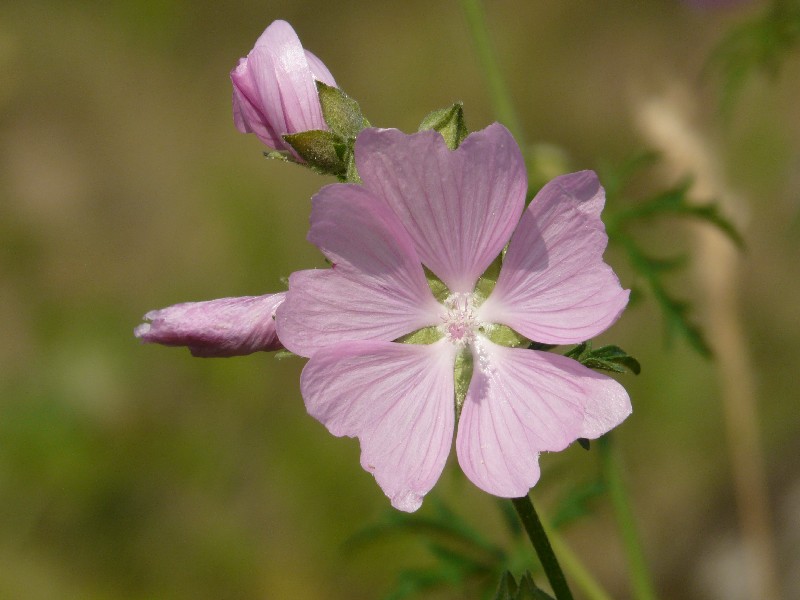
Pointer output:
554, 286
459, 206
216, 328
521, 402
285, 81
274, 92
247, 113
376, 288
319, 70
398, 400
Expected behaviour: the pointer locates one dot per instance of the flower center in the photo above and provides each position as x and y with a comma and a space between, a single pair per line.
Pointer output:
459, 324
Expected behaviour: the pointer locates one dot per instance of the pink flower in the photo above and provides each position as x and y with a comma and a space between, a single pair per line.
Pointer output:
216, 328
273, 87
454, 212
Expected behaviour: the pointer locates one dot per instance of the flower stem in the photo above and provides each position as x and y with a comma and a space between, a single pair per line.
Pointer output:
641, 580
498, 90
533, 527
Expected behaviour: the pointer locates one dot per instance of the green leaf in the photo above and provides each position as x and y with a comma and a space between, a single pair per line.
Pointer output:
341, 112
449, 122
526, 590
760, 44
671, 202
320, 149
507, 588
443, 527
616, 179
675, 201
460, 552
674, 311
540, 346
605, 358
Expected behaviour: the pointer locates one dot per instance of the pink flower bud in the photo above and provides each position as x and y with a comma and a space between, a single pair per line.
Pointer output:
274, 92
216, 328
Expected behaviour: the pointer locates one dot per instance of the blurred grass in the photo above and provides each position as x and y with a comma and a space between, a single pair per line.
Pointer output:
140, 472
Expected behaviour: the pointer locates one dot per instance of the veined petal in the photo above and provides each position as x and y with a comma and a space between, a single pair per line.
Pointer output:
554, 286
247, 111
459, 206
319, 70
398, 400
376, 288
522, 402
216, 328
285, 81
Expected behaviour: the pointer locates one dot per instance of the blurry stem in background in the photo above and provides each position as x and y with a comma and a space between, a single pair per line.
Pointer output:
641, 581
535, 530
665, 125
581, 577
498, 89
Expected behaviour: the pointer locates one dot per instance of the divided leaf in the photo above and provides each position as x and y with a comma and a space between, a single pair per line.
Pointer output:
605, 358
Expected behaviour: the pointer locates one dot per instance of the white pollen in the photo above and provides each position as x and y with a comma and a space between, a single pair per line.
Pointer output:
459, 324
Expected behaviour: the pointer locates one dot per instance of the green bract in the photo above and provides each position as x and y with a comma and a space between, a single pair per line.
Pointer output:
331, 152
449, 122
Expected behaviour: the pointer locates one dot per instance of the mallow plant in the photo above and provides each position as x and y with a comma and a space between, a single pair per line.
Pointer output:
449, 293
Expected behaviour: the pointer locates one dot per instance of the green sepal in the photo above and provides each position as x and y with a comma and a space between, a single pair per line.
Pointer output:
351, 173
526, 590
449, 122
439, 290
322, 150
284, 353
341, 113
488, 279
462, 375
605, 358
505, 336
426, 335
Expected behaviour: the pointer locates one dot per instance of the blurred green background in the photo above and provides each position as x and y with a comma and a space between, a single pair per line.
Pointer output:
132, 472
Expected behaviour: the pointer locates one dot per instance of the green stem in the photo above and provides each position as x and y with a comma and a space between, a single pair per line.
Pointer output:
641, 580
533, 526
498, 90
